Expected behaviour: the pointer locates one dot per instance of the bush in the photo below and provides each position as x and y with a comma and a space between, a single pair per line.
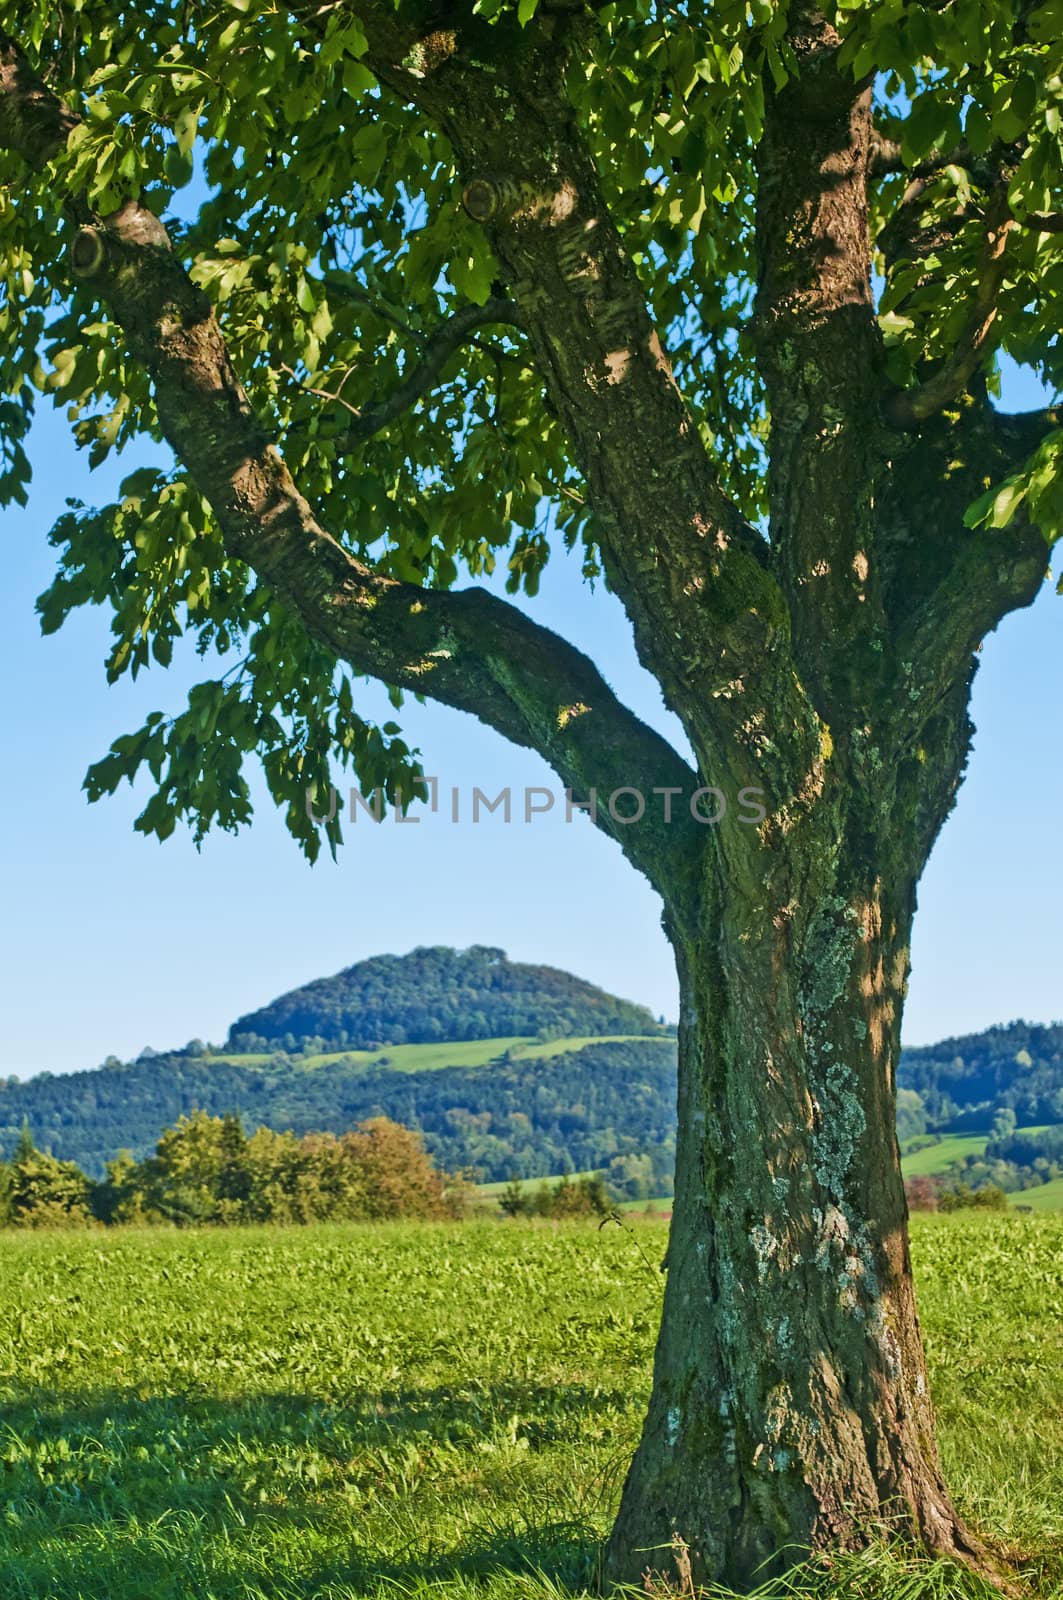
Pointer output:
922, 1194
989, 1197
206, 1170
41, 1192
586, 1197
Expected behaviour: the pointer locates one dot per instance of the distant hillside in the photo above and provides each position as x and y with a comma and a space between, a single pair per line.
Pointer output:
506, 1068
963, 1082
436, 994
530, 1114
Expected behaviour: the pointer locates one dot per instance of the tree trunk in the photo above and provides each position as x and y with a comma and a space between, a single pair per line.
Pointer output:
790, 1409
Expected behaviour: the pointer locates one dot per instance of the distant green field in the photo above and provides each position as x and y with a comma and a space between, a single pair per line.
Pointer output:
425, 1057
1046, 1197
431, 1057
435, 1412
488, 1193
491, 1191
936, 1159
558, 1047
457, 1053
939, 1157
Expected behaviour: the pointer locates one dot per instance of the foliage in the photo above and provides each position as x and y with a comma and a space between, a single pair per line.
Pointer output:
922, 1194
988, 1197
575, 1110
580, 1197
598, 1105
434, 994
206, 1170
911, 1115
37, 1191
331, 268
335, 1412
1028, 1145
964, 1081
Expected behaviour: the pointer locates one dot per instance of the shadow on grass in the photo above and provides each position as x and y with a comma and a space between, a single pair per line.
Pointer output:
110, 1496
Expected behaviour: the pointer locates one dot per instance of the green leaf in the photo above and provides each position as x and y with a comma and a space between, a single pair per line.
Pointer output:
997, 506
178, 166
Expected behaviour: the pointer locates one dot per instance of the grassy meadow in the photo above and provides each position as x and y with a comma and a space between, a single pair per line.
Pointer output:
448, 1409
451, 1053
934, 1158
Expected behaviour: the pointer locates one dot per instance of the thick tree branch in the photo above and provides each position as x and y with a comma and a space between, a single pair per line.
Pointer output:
821, 355
33, 120
908, 407
466, 649
949, 590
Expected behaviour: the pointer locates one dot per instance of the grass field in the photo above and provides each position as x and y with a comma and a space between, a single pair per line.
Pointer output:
558, 1047
1046, 1197
426, 1057
491, 1191
456, 1053
939, 1157
345, 1411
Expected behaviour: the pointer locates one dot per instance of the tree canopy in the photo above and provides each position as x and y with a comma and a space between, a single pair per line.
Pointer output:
339, 299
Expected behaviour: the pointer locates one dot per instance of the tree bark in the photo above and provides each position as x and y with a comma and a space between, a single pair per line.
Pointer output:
790, 1409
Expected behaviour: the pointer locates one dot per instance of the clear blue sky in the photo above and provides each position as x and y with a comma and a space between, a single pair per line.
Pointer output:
111, 941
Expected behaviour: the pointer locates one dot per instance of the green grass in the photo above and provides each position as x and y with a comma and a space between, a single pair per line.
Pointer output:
939, 1157
936, 1160
486, 1195
1046, 1197
491, 1191
425, 1057
559, 1047
440, 1411
456, 1053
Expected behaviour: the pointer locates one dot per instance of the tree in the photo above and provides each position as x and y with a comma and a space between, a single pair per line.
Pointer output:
41, 1192
715, 294
1004, 1122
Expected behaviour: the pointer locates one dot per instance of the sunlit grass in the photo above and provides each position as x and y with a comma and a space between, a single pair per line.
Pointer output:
439, 1410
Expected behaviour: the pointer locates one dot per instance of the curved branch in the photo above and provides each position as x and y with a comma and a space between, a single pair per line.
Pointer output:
908, 407
467, 648
438, 349
1017, 434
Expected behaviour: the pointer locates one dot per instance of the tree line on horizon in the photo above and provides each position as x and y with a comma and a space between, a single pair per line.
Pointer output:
609, 1105
574, 1112
209, 1170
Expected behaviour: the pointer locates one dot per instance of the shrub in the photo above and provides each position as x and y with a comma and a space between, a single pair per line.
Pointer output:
585, 1197
989, 1197
922, 1194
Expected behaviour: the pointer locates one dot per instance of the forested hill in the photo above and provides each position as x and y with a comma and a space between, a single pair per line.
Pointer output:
962, 1082
532, 1110
505, 1068
436, 994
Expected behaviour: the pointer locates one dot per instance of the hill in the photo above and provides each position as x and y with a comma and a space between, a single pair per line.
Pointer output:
435, 994
569, 1078
525, 1112
963, 1082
